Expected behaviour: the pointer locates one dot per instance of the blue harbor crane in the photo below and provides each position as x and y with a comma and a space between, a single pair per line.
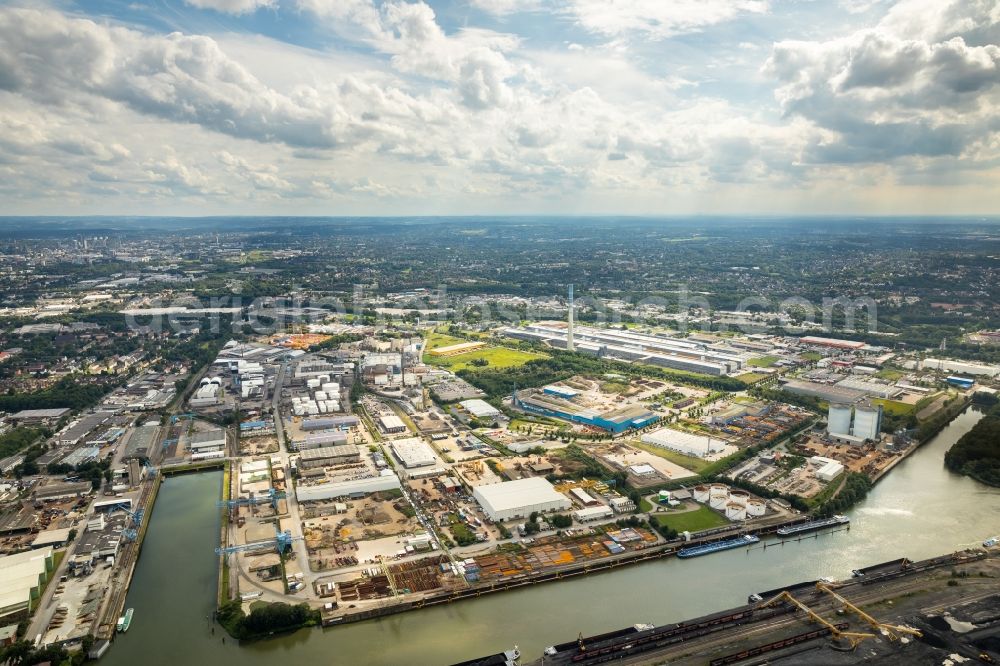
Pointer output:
177, 417
131, 533
272, 496
282, 542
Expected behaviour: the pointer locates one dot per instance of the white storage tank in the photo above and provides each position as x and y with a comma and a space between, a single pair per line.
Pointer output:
330, 386
320, 395
718, 496
739, 497
839, 419
312, 383
735, 511
700, 494
756, 507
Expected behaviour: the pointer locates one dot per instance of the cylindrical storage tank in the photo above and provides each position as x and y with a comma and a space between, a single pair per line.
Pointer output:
735, 512
701, 494
756, 507
739, 497
718, 496
839, 419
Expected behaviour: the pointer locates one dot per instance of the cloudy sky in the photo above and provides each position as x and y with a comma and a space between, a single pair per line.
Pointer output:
370, 107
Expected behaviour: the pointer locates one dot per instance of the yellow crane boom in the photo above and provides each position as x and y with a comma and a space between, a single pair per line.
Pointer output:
889, 630
853, 636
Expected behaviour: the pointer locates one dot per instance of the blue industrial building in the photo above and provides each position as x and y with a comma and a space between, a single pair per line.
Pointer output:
961, 382
616, 421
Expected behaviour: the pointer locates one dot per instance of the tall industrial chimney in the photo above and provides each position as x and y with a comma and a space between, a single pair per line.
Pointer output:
569, 331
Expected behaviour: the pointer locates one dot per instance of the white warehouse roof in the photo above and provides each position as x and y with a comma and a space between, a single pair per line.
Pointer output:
480, 408
413, 452
517, 499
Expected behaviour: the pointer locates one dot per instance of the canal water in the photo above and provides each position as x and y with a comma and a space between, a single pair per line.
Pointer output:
918, 510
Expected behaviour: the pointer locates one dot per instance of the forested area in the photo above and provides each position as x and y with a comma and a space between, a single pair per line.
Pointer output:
977, 453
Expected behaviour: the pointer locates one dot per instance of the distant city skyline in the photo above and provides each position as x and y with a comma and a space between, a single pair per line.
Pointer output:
493, 107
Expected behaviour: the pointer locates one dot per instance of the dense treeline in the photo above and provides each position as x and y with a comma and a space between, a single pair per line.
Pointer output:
855, 489
67, 392
265, 619
563, 365
18, 439
977, 453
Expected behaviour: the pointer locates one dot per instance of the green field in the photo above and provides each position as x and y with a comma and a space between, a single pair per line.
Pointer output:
691, 521
889, 373
496, 357
811, 356
696, 465
763, 361
435, 340
894, 406
751, 377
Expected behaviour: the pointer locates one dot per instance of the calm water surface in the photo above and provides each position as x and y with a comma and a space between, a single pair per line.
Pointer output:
919, 510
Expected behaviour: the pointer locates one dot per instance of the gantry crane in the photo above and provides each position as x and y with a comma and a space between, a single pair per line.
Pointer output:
281, 542
272, 496
852, 636
890, 631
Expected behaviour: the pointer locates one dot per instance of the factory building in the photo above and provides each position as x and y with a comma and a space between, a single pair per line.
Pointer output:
354, 488
964, 367
391, 423
829, 471
616, 421
331, 423
141, 442
593, 513
676, 353
318, 440
831, 343
519, 499
825, 392
329, 455
480, 408
699, 446
84, 454
876, 389
560, 391
413, 452
205, 442
22, 578
961, 382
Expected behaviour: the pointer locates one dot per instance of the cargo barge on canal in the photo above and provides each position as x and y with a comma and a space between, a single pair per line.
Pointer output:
813, 525
705, 549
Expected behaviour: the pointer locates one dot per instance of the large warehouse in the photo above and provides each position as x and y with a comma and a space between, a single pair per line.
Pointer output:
480, 408
519, 499
211, 440
665, 351
354, 488
413, 452
687, 443
616, 421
